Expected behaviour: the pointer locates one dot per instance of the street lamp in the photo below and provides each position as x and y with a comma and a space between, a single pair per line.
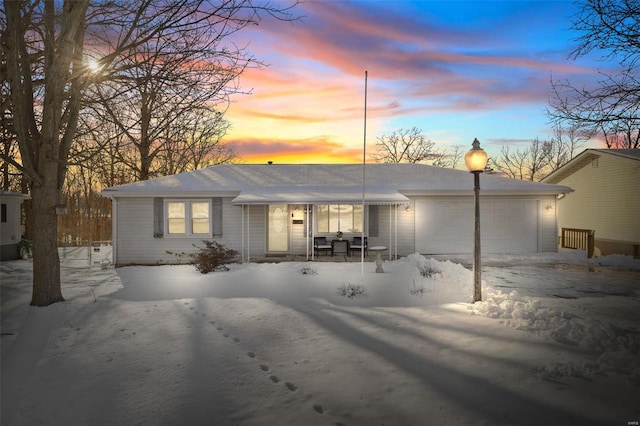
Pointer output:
476, 161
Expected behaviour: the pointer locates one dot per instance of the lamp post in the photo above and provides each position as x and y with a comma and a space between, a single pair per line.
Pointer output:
476, 161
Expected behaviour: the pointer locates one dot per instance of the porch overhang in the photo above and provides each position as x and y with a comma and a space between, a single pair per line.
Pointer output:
371, 197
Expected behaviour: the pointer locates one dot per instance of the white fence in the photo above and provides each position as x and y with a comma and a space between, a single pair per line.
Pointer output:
101, 254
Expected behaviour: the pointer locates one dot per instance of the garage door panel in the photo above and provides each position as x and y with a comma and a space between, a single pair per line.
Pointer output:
446, 226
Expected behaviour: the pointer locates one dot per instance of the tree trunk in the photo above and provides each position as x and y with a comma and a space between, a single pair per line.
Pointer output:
46, 262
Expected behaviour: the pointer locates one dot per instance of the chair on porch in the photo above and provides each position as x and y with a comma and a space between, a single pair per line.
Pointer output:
321, 244
357, 245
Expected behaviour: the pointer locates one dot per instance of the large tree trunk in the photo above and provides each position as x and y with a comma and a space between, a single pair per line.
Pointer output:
46, 263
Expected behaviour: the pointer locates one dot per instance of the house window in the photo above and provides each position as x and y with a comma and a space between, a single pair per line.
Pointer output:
339, 217
3, 213
188, 218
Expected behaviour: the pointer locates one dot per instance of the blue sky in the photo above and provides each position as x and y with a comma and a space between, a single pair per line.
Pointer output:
457, 70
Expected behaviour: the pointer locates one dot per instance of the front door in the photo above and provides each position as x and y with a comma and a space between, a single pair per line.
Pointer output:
278, 229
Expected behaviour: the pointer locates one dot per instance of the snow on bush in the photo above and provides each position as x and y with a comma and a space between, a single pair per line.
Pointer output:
448, 275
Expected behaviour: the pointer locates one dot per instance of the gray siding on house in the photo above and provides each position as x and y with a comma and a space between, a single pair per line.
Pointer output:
135, 242
547, 214
387, 230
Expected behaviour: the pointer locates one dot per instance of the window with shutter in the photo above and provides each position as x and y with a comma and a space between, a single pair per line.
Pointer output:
190, 218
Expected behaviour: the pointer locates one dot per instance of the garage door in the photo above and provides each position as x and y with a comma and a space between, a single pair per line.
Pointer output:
446, 226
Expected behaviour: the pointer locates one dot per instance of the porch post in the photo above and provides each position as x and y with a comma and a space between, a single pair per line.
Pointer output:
248, 233
306, 232
242, 225
395, 233
390, 231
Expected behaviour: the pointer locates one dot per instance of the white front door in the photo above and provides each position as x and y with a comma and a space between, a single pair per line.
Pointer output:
278, 229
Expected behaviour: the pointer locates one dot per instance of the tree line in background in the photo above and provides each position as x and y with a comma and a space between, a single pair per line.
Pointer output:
532, 162
96, 94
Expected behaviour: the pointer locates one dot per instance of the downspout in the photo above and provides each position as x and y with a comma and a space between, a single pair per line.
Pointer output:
114, 231
242, 225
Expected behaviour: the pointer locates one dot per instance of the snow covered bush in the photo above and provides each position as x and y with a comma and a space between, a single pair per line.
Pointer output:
214, 256
308, 270
351, 290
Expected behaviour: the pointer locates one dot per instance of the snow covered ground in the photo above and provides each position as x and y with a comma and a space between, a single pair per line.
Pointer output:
555, 341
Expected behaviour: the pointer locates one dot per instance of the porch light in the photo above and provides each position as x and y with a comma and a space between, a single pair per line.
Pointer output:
476, 161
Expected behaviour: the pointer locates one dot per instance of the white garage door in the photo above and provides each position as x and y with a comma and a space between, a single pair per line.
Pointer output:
446, 226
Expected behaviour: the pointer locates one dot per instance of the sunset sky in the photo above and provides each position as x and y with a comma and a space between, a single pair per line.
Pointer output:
457, 70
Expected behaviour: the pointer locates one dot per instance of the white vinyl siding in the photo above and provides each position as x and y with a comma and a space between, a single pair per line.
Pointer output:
507, 225
136, 243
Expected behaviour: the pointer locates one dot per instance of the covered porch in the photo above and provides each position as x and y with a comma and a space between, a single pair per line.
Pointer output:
291, 221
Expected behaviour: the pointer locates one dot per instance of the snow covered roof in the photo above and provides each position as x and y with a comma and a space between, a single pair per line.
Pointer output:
5, 193
313, 183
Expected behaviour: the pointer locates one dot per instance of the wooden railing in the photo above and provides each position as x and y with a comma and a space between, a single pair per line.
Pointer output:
583, 239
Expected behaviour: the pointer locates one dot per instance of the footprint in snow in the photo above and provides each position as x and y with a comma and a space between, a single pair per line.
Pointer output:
318, 408
251, 355
264, 367
235, 339
220, 328
291, 386
212, 322
226, 334
274, 379
191, 307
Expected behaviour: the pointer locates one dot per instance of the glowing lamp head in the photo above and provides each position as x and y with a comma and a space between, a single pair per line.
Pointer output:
476, 158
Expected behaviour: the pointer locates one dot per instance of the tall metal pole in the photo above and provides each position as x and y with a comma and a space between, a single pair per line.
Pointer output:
364, 161
477, 267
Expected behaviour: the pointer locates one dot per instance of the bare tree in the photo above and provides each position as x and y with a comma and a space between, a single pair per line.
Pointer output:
405, 146
448, 157
529, 163
43, 43
612, 28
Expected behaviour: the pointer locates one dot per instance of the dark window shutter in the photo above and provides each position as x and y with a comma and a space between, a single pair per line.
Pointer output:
373, 221
158, 217
216, 216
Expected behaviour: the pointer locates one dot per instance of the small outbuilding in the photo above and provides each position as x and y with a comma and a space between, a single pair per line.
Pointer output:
605, 201
275, 210
10, 224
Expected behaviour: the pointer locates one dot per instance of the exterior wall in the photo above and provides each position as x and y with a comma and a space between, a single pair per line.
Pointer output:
135, 243
509, 224
548, 228
10, 231
255, 234
387, 230
245, 230
607, 200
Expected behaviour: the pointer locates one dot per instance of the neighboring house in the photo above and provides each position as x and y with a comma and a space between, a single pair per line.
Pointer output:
606, 198
10, 224
265, 210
